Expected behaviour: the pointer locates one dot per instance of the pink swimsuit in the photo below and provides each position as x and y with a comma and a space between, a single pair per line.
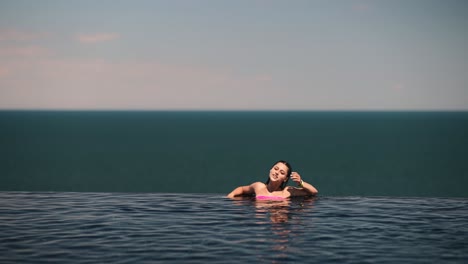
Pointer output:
264, 197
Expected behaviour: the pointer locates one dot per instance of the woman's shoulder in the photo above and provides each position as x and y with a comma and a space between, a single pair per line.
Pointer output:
257, 185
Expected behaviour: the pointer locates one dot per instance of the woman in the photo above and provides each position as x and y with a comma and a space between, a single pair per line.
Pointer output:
275, 187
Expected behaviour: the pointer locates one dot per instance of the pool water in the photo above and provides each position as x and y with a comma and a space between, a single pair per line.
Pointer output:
74, 227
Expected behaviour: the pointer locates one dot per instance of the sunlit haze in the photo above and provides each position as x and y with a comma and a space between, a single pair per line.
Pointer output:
234, 55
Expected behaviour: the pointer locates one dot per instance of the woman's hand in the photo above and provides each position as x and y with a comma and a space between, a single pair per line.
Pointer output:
305, 189
295, 177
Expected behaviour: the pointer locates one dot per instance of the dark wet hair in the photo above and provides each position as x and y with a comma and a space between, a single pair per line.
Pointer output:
288, 174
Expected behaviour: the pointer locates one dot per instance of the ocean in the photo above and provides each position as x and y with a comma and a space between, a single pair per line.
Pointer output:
149, 187
415, 154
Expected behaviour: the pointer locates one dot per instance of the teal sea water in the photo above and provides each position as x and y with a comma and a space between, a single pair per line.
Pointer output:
410, 154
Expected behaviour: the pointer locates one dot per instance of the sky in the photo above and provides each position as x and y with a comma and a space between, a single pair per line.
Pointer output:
234, 55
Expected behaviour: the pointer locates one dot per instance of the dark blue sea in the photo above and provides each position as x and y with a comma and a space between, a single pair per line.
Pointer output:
149, 187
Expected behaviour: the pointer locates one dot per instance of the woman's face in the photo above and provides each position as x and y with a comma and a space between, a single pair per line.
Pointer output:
279, 172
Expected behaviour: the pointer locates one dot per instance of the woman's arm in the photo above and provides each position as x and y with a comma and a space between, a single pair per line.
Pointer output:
241, 190
305, 188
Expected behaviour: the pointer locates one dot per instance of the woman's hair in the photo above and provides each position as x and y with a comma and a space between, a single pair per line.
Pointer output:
288, 173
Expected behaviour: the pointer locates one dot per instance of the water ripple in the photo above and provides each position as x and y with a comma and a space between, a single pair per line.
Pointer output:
200, 228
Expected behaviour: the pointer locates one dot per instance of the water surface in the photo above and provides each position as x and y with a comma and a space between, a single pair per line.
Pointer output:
66, 227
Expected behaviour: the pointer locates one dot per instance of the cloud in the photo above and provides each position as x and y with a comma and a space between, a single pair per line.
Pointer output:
398, 87
4, 71
96, 38
18, 35
23, 51
264, 78
84, 83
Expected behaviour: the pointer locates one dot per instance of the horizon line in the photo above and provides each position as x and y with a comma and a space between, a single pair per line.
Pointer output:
224, 110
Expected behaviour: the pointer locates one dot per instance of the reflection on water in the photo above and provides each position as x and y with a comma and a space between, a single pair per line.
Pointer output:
276, 211
278, 214
282, 217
